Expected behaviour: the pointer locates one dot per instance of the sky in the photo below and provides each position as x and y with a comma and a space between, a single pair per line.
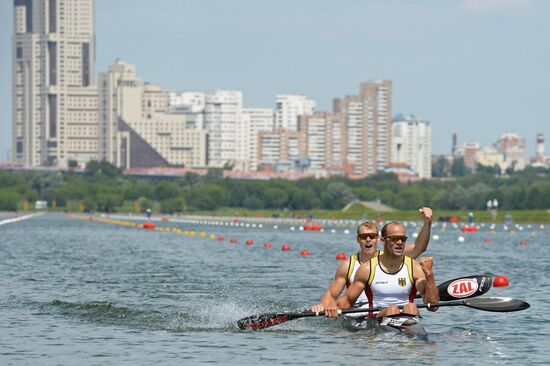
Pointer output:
478, 68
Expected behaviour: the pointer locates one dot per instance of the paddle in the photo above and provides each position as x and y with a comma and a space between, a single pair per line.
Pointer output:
495, 304
458, 288
463, 287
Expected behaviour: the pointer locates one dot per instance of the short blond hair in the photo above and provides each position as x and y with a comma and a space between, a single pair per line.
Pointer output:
369, 224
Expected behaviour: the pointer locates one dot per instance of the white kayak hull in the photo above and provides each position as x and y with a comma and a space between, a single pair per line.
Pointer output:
402, 323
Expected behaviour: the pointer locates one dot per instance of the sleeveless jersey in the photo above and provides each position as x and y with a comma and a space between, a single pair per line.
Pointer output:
354, 264
385, 289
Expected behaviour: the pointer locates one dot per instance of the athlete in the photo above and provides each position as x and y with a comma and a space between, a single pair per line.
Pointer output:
390, 279
367, 237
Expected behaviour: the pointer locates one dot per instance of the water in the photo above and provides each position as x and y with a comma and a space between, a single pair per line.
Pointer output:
83, 291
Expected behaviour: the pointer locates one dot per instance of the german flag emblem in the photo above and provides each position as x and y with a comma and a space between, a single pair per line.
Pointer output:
402, 281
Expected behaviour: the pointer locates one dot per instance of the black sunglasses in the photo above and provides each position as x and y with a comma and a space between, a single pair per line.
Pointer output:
365, 236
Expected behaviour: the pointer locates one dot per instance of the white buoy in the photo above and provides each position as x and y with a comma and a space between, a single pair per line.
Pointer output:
346, 231
435, 237
301, 228
333, 231
415, 235
260, 226
461, 239
292, 228
275, 227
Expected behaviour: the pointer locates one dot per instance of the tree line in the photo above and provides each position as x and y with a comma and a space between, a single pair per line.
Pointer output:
103, 187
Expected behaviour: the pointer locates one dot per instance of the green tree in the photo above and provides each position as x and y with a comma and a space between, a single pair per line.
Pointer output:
173, 205
459, 168
337, 195
441, 167
96, 168
303, 199
9, 200
166, 190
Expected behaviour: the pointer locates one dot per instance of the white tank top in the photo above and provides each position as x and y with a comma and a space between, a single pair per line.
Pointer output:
387, 289
354, 265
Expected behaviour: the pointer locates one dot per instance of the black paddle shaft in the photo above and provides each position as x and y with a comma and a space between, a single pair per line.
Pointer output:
494, 304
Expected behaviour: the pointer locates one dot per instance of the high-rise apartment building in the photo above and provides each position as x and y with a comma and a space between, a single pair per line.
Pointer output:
368, 125
253, 121
53, 88
324, 140
191, 104
137, 127
222, 116
289, 108
281, 148
411, 143
513, 147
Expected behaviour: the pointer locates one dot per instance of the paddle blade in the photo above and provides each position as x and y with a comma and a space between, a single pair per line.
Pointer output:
497, 304
464, 287
261, 321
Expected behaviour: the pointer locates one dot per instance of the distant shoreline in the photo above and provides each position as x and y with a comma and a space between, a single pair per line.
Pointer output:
355, 213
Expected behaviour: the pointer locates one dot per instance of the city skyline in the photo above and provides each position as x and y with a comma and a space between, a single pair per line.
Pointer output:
206, 50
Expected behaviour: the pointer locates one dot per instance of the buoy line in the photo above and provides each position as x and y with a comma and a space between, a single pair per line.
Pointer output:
19, 218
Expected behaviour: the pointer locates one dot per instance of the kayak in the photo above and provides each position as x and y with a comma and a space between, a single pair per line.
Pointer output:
400, 323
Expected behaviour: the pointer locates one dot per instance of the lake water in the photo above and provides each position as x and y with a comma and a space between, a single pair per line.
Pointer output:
78, 291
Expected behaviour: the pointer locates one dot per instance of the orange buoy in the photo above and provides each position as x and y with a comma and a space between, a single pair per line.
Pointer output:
90, 218
316, 227
149, 225
523, 242
307, 227
285, 248
249, 242
341, 256
305, 253
221, 238
487, 241
267, 245
500, 281
233, 240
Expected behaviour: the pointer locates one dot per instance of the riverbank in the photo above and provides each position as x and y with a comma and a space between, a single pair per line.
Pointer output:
358, 212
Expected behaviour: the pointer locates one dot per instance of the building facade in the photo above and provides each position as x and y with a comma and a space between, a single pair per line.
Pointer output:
53, 85
253, 121
324, 141
411, 143
137, 127
289, 107
367, 118
222, 116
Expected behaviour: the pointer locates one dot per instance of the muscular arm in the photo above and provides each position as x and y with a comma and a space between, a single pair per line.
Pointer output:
358, 286
328, 300
425, 282
421, 244
337, 285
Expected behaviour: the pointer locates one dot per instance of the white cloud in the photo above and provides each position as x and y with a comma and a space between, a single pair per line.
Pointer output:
489, 6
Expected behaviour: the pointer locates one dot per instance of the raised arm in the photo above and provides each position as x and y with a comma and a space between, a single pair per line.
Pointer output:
425, 281
421, 244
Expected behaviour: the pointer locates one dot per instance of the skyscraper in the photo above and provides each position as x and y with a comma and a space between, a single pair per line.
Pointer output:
368, 126
54, 93
222, 116
138, 129
289, 108
412, 144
